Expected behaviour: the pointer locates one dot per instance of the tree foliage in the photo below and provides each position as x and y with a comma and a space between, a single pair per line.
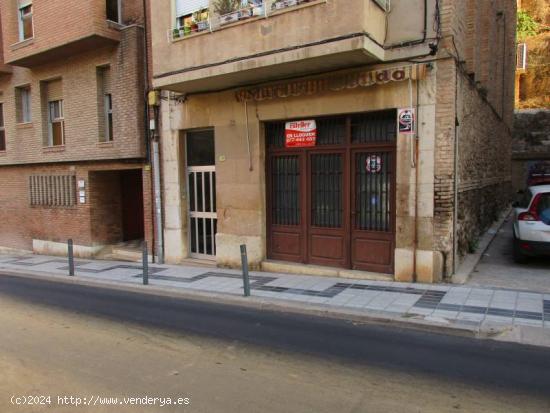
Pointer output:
527, 26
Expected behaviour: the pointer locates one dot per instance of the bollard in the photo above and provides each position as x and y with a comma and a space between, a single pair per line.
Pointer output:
145, 264
246, 280
71, 257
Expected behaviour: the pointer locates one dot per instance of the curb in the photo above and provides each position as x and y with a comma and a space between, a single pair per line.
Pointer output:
268, 304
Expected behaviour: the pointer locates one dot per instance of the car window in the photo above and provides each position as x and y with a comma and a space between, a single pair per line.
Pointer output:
543, 208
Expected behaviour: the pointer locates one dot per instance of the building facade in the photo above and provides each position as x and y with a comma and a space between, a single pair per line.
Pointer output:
286, 126
73, 153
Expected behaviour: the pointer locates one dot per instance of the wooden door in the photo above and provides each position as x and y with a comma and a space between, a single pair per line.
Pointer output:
334, 204
131, 184
327, 208
372, 210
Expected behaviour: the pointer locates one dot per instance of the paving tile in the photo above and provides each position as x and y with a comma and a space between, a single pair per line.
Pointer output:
421, 311
499, 319
451, 315
470, 316
522, 321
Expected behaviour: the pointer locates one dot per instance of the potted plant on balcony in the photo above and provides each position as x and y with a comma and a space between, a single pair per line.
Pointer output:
227, 10
277, 5
186, 30
200, 17
175, 34
257, 8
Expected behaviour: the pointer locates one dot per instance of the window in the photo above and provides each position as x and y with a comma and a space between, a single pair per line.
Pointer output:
104, 104
114, 9
56, 127
543, 208
52, 190
2, 130
23, 104
108, 103
25, 21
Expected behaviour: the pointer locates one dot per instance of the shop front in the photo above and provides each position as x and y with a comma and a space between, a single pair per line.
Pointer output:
314, 172
331, 199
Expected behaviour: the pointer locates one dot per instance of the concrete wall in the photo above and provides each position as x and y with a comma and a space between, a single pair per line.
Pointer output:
241, 192
309, 38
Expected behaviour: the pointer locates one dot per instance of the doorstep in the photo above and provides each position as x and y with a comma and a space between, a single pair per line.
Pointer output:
319, 270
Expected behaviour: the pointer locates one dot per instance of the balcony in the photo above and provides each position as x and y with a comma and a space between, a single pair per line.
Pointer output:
54, 29
274, 39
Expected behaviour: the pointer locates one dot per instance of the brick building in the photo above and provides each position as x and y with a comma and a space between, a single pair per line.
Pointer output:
279, 130
73, 151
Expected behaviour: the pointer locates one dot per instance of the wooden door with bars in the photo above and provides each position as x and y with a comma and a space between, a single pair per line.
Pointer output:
334, 203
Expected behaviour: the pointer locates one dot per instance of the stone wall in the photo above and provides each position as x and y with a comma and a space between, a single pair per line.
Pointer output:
484, 169
474, 114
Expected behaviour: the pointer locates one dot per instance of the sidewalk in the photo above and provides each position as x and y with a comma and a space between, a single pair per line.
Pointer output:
485, 312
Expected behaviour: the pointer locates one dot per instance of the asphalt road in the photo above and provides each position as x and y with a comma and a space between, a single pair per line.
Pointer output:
498, 269
60, 337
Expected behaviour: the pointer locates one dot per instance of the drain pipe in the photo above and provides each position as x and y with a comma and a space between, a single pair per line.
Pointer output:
154, 101
158, 202
455, 183
247, 136
414, 164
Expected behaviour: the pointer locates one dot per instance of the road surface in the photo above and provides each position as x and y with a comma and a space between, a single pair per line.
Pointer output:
88, 342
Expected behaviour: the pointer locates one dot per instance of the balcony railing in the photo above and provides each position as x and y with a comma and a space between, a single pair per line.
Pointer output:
252, 11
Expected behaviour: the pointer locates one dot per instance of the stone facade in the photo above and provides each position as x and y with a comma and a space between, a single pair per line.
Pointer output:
447, 194
475, 89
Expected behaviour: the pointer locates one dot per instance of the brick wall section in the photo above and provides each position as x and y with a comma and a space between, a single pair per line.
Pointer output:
106, 206
56, 23
78, 76
91, 223
88, 224
474, 89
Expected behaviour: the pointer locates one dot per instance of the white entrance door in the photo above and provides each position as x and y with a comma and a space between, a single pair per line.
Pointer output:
201, 184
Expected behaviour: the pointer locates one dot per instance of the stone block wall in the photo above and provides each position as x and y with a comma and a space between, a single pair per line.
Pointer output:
474, 113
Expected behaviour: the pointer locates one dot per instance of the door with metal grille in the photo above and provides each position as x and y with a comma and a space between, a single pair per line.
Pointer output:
327, 218
201, 184
372, 206
334, 203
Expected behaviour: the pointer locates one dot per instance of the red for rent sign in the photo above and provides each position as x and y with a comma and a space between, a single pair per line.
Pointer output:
300, 133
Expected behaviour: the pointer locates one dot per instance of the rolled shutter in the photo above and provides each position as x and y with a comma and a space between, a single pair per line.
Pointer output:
55, 90
184, 7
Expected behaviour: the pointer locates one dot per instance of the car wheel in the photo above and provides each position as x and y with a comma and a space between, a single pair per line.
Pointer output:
519, 256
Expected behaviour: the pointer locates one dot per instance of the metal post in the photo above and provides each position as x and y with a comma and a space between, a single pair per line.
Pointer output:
246, 280
145, 264
158, 203
71, 257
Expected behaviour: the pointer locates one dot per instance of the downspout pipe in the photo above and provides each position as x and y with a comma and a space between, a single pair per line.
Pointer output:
455, 183
158, 198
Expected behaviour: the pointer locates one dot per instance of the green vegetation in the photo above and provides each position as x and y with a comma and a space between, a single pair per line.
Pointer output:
527, 26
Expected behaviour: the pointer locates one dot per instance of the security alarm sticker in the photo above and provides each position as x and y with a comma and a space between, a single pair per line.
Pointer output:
300, 133
373, 164
405, 120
